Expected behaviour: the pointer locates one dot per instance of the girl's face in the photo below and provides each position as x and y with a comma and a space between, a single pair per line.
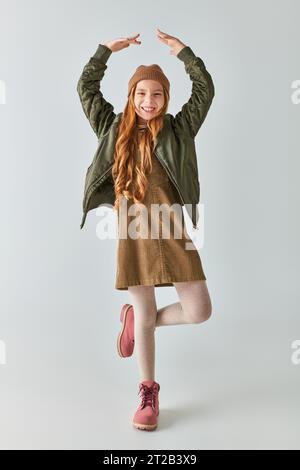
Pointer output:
148, 99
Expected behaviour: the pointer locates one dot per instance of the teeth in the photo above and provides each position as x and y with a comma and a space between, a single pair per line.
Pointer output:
148, 109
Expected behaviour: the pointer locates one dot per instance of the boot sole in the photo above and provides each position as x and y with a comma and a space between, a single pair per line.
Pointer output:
144, 427
125, 309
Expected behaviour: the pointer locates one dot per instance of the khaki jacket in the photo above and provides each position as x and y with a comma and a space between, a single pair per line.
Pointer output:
175, 146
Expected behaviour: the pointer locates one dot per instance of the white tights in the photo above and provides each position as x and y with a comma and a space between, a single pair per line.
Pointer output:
194, 307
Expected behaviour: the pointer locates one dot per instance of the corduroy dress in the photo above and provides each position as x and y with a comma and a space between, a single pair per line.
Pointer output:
156, 261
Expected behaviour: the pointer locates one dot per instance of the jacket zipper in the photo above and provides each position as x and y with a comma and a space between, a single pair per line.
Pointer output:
171, 177
175, 184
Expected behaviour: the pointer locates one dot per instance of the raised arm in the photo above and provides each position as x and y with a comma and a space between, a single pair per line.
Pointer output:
194, 111
98, 111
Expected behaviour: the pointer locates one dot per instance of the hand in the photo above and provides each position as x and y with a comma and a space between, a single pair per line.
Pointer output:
121, 43
175, 44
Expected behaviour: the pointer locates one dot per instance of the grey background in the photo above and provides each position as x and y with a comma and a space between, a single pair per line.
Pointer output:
228, 383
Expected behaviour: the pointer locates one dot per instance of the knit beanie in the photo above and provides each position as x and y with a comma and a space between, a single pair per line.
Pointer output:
149, 72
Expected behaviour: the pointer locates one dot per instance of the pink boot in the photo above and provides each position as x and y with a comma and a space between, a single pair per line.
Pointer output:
145, 417
125, 343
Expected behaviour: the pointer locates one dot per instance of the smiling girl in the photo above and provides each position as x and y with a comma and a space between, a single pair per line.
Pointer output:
147, 158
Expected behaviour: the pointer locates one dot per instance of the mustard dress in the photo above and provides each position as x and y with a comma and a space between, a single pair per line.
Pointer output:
157, 260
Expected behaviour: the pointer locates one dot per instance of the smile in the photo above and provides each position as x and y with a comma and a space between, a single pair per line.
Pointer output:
148, 110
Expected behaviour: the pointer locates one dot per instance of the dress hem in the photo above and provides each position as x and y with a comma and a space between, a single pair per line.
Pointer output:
157, 283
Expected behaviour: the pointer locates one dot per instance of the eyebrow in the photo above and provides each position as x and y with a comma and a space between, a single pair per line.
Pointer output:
143, 89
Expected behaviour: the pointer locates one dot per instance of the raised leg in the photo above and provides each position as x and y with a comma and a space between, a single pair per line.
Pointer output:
194, 305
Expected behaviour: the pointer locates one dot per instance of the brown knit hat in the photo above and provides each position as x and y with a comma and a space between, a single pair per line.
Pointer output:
149, 72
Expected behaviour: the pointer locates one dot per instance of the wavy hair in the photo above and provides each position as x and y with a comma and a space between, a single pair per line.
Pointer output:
130, 176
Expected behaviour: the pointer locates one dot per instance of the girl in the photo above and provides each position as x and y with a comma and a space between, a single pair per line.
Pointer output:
146, 157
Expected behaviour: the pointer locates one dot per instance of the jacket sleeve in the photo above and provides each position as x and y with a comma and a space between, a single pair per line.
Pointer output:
193, 112
98, 111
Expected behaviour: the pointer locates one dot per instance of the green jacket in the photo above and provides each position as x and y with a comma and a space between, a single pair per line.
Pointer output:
175, 146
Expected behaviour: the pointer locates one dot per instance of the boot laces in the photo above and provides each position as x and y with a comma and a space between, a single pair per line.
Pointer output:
148, 395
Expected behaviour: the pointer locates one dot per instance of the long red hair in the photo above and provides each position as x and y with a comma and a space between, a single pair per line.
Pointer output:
129, 176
